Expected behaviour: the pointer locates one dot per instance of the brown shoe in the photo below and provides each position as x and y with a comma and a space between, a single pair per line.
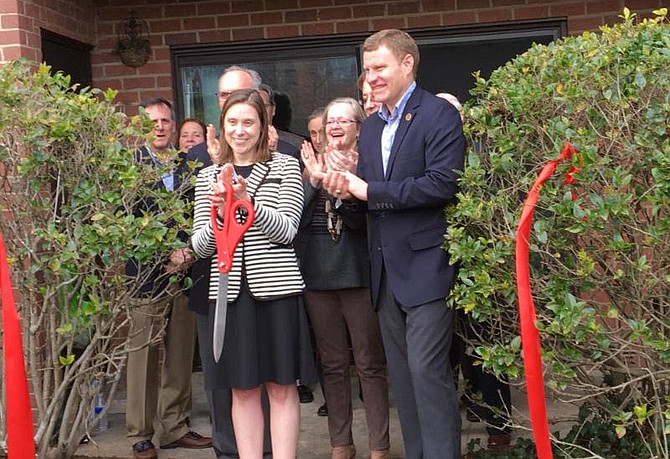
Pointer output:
191, 440
144, 450
343, 452
499, 442
380, 454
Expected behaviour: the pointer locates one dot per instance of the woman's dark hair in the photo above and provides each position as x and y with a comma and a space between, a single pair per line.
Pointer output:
191, 120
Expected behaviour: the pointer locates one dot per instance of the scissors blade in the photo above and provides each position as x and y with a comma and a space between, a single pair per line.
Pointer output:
220, 313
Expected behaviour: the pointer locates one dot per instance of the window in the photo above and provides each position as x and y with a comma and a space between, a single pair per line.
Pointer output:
315, 70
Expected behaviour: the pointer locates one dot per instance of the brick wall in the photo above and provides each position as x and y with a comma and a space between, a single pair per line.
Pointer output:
178, 22
21, 20
206, 21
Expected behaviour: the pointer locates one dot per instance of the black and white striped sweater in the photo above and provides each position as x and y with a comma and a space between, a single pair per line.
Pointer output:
265, 256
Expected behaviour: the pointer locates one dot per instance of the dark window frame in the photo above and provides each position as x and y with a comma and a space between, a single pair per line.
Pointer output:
229, 53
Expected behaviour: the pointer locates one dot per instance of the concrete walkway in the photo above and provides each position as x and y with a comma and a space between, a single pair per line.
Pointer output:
314, 442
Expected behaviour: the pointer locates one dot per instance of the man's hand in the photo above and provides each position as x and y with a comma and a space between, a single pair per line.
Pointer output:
180, 260
213, 146
344, 185
273, 138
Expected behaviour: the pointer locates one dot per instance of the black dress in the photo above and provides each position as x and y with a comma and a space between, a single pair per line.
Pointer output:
265, 341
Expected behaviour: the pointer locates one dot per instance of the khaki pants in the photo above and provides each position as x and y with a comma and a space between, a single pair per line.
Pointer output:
162, 397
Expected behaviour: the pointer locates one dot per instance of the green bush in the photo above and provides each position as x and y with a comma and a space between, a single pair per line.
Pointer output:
69, 185
600, 263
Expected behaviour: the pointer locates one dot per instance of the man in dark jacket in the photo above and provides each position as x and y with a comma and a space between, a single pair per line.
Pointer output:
152, 396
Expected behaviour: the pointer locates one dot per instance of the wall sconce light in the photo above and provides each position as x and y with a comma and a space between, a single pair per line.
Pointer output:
132, 44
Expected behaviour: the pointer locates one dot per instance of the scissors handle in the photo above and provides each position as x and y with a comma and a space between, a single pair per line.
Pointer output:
228, 236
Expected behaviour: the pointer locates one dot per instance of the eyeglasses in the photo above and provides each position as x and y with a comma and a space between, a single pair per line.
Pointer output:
343, 123
223, 95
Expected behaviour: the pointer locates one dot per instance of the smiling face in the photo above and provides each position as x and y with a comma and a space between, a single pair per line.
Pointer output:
242, 130
341, 127
191, 133
164, 127
388, 75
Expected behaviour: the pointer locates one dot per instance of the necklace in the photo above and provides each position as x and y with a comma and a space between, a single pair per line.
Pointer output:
333, 222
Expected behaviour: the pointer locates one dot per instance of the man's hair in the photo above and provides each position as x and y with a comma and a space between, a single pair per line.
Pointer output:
256, 79
159, 101
361, 81
316, 113
398, 42
253, 98
268, 89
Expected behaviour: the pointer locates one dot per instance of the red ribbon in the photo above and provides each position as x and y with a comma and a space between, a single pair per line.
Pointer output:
20, 436
530, 337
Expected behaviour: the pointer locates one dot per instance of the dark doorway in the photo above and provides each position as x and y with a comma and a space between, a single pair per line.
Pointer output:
70, 56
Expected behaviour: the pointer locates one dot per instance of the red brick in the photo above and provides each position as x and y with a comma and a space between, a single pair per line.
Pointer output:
389, 23
274, 17
495, 15
394, 9
568, 9
9, 6
579, 25
164, 93
214, 36
180, 38
531, 12
10, 21
472, 4
199, 23
206, 9
427, 20
179, 11
282, 31
13, 52
139, 82
248, 33
644, 4
161, 53
233, 20
438, 5
245, 6
369, 11
497, 3
312, 3
457, 18
348, 2
352, 26
158, 68
319, 28
341, 12
274, 5
164, 25
603, 6
300, 16
164, 81
103, 57
10, 36
113, 70
31, 39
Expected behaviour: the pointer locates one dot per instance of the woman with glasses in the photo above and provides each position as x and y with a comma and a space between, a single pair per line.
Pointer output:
335, 266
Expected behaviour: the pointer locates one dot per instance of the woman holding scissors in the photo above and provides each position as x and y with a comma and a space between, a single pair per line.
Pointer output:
266, 340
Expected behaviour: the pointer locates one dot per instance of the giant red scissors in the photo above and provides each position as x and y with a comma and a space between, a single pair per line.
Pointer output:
238, 215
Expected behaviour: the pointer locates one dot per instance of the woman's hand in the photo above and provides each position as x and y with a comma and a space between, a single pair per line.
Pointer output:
213, 146
340, 160
313, 163
218, 196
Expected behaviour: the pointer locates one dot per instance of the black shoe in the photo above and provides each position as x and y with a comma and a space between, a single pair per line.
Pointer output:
305, 394
322, 411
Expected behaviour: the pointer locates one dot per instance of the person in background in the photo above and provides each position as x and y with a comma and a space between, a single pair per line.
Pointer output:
494, 393
219, 399
288, 142
338, 294
153, 396
410, 155
368, 103
191, 131
266, 342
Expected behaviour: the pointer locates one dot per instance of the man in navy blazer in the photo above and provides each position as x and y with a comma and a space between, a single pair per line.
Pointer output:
410, 153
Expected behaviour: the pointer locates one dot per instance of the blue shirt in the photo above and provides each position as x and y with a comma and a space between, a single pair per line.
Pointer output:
392, 123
